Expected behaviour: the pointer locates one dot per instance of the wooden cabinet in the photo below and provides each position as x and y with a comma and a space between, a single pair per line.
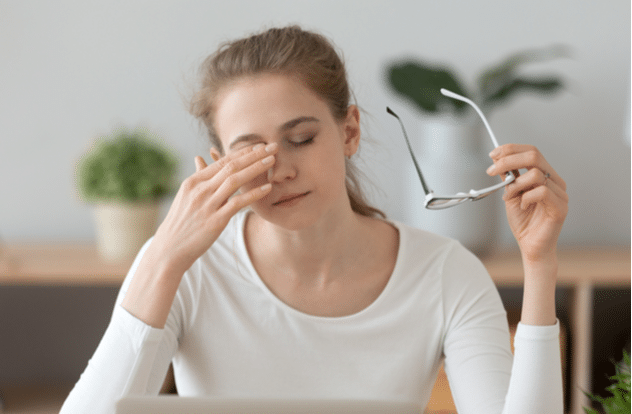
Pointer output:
581, 270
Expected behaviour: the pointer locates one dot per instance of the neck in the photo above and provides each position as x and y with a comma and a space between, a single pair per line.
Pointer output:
320, 252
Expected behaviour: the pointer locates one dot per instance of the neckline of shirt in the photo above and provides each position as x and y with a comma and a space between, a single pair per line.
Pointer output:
241, 245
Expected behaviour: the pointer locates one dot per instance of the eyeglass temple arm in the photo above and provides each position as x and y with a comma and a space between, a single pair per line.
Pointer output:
473, 105
421, 177
453, 95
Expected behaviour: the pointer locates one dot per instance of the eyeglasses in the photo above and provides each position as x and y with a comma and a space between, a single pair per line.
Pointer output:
438, 202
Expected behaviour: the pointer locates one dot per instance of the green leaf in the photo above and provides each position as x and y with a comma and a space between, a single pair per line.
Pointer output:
544, 86
619, 401
421, 85
499, 77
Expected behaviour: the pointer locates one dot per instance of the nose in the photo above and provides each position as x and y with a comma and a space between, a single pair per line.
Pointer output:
283, 168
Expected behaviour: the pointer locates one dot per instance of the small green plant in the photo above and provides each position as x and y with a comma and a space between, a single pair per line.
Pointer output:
420, 82
127, 166
619, 401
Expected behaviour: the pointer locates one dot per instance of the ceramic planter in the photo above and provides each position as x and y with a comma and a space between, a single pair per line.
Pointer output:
452, 153
123, 228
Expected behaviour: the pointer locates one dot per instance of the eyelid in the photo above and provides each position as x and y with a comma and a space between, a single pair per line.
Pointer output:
304, 138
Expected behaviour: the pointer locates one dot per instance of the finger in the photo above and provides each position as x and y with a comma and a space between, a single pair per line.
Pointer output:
516, 157
509, 149
237, 179
557, 190
238, 202
520, 160
215, 155
261, 157
200, 164
556, 206
531, 179
235, 161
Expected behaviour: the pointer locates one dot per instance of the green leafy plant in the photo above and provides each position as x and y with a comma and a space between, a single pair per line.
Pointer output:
127, 166
619, 401
420, 82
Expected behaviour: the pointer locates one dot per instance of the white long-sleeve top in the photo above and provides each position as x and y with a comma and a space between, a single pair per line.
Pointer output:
228, 335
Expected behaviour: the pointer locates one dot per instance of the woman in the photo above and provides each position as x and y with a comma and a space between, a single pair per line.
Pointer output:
272, 277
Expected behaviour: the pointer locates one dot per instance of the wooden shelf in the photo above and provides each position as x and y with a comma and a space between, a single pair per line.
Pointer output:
598, 266
58, 264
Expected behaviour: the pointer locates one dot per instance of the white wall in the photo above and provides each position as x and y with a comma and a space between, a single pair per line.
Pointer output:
72, 70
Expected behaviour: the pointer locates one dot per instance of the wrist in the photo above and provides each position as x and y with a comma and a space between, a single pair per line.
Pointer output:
538, 306
543, 267
166, 259
153, 287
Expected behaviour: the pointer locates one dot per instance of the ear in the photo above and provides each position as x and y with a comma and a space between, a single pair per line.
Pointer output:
351, 130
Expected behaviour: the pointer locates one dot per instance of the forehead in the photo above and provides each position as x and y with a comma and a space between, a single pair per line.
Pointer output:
258, 105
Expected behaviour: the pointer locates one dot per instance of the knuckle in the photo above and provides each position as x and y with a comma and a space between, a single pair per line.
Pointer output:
188, 184
220, 163
231, 167
232, 182
533, 157
233, 204
197, 194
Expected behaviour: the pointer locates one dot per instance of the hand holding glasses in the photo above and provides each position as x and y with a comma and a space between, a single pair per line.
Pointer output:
438, 202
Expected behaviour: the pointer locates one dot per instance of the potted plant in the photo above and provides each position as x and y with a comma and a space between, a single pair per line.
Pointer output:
420, 82
619, 401
125, 175
450, 142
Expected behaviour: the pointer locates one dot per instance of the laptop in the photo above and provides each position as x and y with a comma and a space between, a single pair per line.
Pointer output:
169, 404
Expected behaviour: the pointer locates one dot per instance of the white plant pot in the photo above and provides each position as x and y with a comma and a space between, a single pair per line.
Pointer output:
123, 228
453, 158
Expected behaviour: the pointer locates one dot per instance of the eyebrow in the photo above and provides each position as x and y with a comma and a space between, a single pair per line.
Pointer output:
283, 128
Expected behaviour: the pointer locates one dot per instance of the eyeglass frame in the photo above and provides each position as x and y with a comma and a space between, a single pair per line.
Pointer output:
459, 198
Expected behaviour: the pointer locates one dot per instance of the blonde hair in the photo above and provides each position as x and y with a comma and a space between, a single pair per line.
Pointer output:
288, 51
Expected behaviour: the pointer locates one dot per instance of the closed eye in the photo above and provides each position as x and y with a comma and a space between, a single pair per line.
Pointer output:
306, 140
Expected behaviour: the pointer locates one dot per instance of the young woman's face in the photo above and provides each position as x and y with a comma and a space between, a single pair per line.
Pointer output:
308, 176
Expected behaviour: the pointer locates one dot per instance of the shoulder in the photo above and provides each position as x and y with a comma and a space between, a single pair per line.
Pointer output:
455, 267
421, 246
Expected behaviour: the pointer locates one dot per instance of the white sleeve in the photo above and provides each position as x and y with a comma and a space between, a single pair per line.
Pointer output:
132, 358
536, 378
484, 376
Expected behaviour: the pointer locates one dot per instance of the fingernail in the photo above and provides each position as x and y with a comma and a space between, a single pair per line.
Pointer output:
258, 146
491, 169
266, 187
495, 152
271, 147
270, 173
268, 159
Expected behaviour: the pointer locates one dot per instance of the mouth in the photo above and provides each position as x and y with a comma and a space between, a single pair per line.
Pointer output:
290, 199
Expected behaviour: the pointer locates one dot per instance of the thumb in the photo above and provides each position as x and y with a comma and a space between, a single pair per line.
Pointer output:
199, 164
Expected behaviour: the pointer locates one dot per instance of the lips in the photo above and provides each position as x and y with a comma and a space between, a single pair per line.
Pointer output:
289, 197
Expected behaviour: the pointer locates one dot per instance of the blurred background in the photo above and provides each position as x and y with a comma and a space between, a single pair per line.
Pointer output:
74, 70
71, 71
